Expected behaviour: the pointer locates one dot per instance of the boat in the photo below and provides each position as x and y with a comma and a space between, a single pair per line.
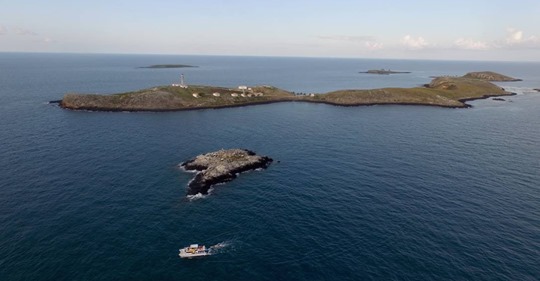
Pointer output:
194, 251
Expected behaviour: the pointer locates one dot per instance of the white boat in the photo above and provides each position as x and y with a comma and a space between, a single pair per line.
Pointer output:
193, 251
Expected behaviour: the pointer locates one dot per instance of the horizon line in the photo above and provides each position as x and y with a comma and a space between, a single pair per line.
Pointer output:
263, 56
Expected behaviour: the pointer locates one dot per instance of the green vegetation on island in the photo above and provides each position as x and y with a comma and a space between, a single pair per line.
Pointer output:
490, 76
169, 98
168, 66
442, 91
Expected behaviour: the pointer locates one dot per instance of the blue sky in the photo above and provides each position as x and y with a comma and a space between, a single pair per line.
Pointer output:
460, 30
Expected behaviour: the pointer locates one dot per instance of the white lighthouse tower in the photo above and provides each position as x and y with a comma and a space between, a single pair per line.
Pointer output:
182, 83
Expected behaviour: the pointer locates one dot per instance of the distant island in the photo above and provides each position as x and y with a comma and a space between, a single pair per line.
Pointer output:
490, 76
168, 66
383, 71
451, 92
221, 166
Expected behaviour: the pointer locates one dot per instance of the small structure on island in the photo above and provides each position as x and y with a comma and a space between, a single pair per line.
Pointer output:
234, 95
182, 83
216, 94
243, 89
196, 95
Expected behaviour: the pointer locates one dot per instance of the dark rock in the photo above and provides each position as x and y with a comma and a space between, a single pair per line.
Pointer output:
221, 166
498, 99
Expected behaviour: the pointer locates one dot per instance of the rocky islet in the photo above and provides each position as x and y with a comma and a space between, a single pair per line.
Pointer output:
221, 166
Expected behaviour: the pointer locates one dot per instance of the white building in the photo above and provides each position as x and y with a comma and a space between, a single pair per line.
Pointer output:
216, 94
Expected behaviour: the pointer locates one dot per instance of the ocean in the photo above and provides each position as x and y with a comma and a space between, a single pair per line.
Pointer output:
355, 193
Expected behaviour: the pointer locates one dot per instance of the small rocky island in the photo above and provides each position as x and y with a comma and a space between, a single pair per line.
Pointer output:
221, 166
384, 71
490, 76
167, 66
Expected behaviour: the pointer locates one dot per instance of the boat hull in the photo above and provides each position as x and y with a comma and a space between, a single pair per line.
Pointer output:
186, 255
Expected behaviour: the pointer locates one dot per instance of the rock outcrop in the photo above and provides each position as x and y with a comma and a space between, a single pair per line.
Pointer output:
221, 166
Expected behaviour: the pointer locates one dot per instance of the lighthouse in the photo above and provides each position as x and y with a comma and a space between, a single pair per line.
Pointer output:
182, 83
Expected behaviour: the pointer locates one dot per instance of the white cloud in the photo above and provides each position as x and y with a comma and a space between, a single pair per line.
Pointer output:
22, 31
414, 43
470, 44
513, 36
516, 38
48, 40
368, 42
348, 38
373, 45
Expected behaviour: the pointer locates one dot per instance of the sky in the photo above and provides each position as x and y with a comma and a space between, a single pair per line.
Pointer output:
440, 30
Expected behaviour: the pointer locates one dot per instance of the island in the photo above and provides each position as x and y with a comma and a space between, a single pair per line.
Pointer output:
220, 167
383, 71
452, 92
490, 76
168, 66
538, 90
176, 97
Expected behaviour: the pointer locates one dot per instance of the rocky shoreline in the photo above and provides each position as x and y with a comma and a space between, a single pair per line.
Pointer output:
220, 167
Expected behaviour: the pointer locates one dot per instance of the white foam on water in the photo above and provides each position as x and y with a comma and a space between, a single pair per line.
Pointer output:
219, 247
521, 90
197, 196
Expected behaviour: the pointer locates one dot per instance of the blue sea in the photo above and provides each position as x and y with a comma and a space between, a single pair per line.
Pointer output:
355, 193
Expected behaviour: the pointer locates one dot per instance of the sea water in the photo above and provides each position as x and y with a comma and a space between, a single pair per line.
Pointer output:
354, 193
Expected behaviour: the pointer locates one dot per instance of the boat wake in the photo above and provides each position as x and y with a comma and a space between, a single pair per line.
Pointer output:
219, 248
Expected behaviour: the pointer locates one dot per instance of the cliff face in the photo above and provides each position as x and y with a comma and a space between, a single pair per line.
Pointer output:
490, 76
